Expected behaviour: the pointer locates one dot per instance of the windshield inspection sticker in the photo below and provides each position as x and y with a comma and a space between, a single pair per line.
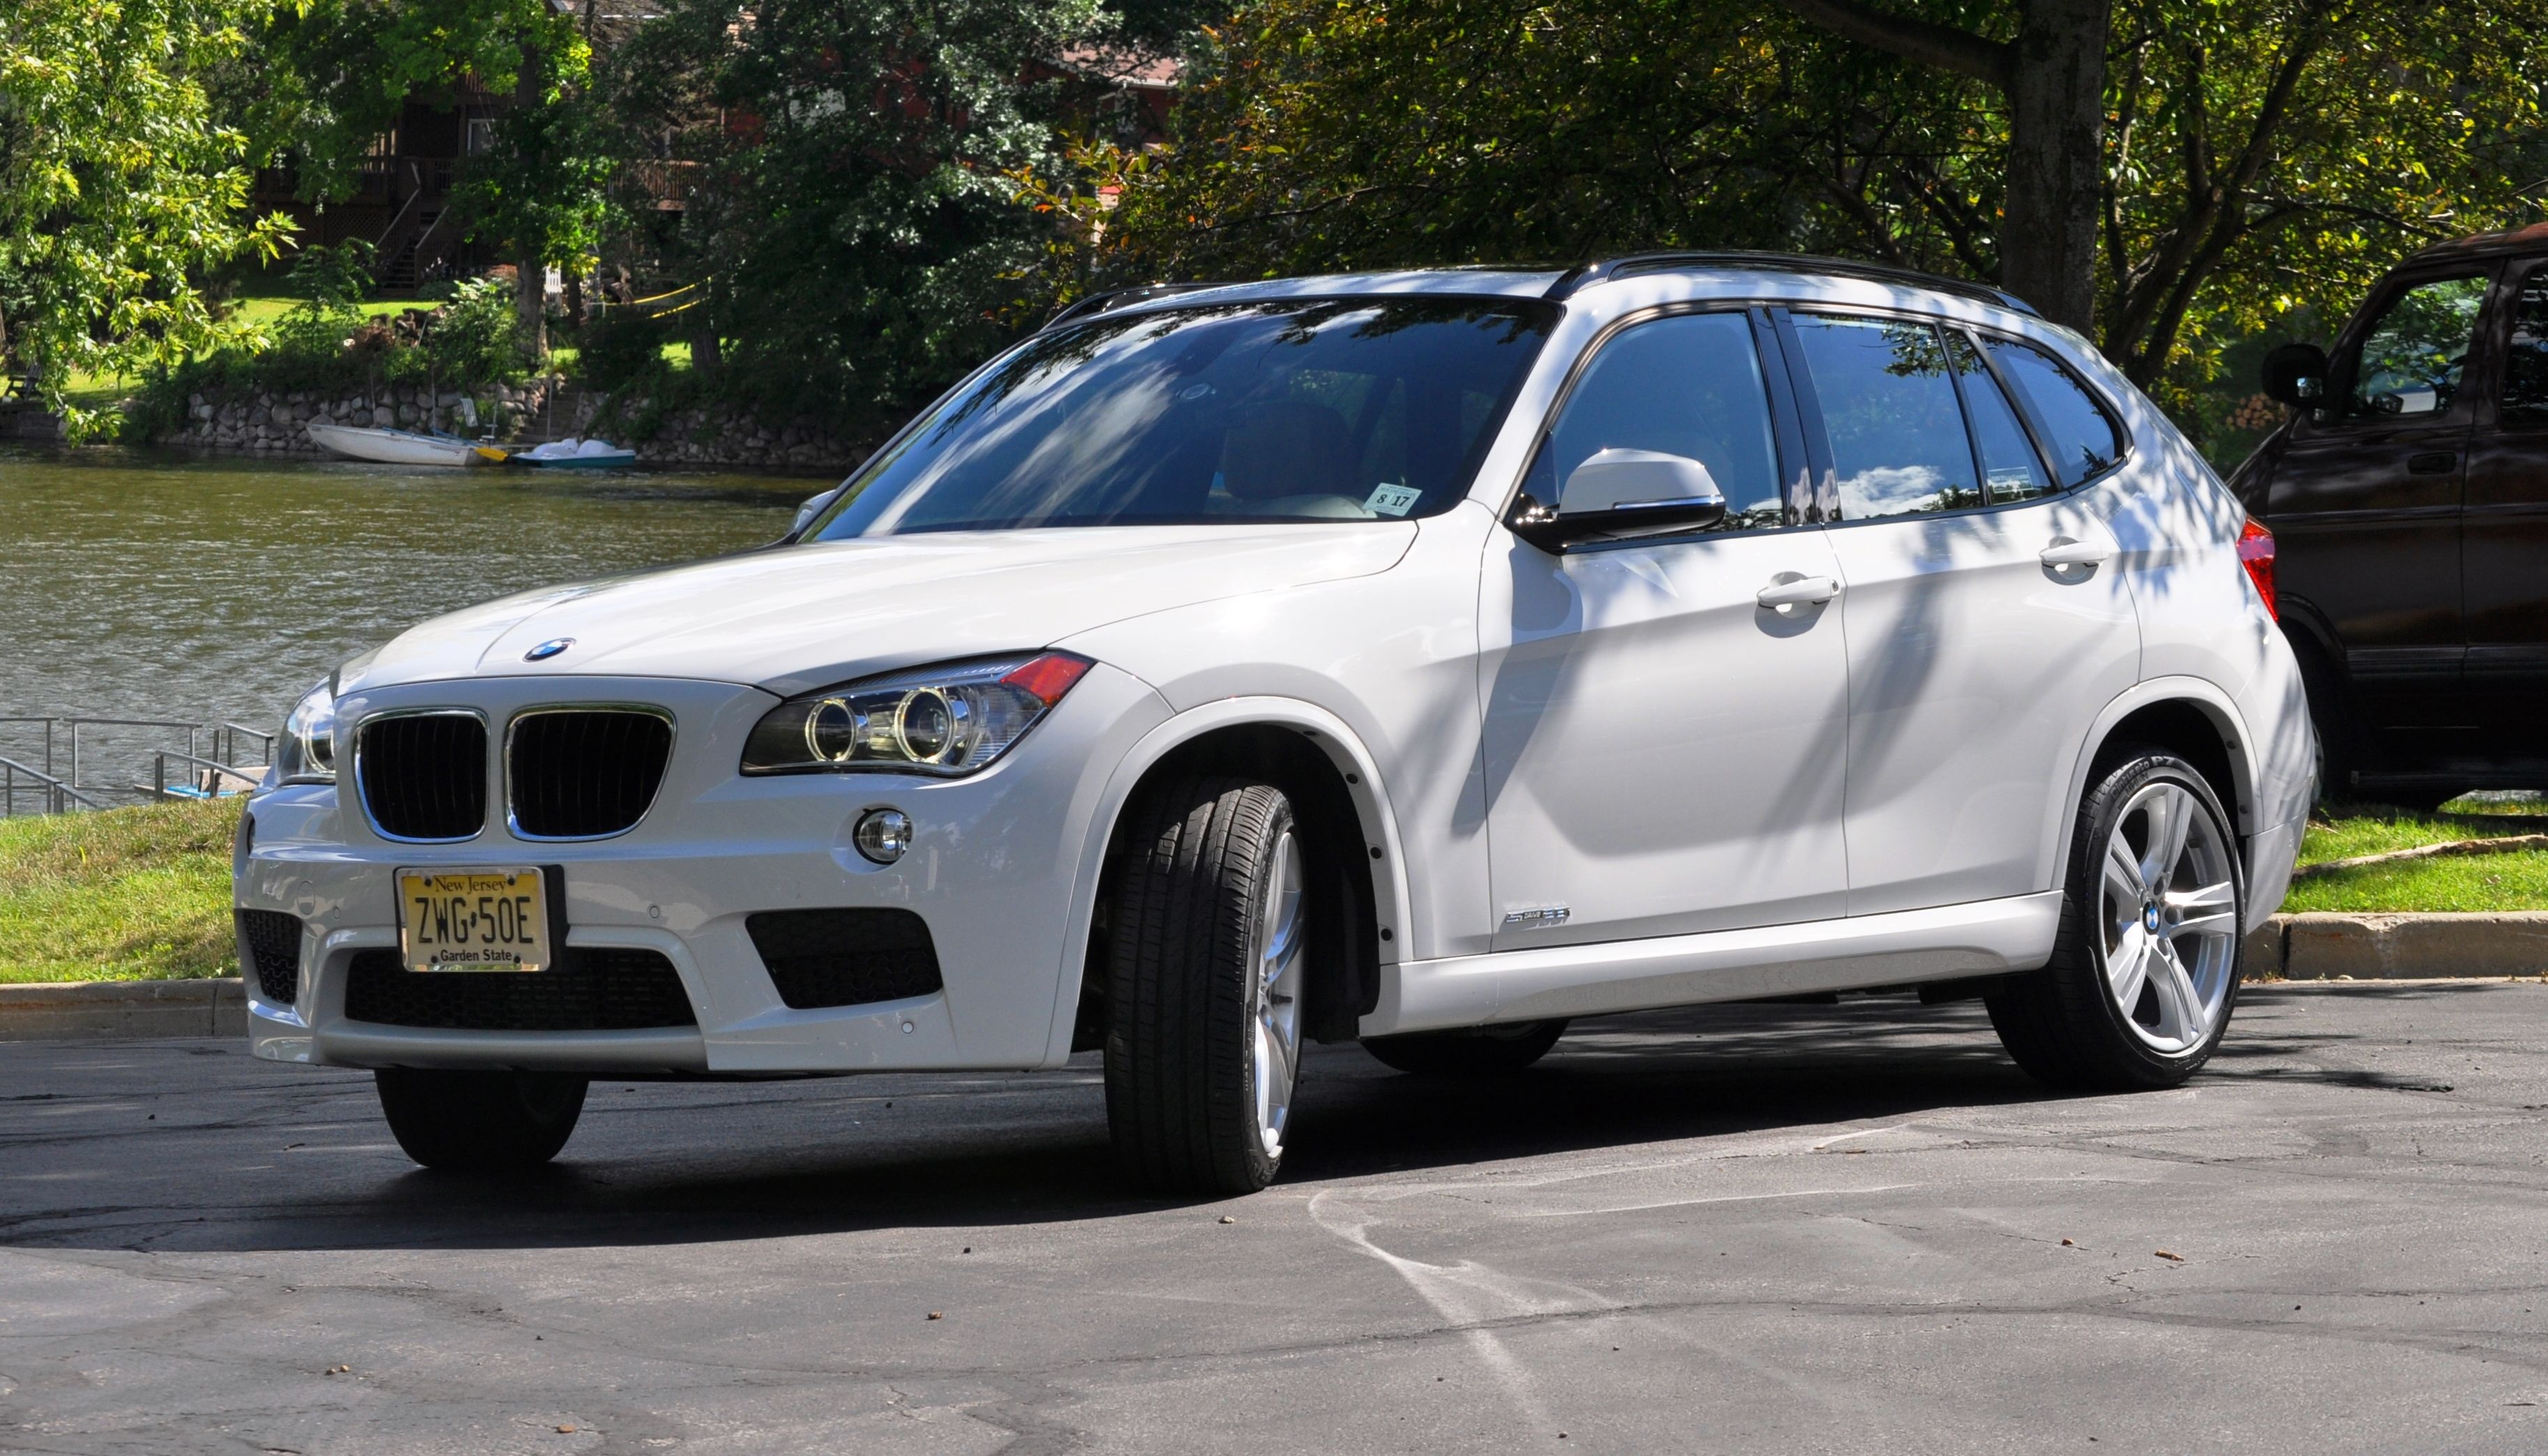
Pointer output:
1387, 500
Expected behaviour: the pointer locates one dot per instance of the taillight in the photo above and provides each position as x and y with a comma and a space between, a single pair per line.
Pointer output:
2256, 554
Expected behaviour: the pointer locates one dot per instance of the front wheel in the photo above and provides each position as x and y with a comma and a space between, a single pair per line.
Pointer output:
1207, 933
1481, 1052
479, 1122
2145, 972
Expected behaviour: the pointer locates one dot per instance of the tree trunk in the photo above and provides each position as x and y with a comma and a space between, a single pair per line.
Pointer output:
2056, 160
530, 284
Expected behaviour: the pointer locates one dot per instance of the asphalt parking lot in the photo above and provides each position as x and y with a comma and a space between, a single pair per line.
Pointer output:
1756, 1228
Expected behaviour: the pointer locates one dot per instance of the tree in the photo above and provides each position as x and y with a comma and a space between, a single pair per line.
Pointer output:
119, 185
853, 225
2257, 158
2053, 73
350, 68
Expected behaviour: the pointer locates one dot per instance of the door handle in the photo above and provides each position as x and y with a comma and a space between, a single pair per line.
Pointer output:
2066, 552
2432, 462
1802, 592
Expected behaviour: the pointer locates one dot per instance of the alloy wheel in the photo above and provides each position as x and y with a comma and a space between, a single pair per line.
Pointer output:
1274, 993
2168, 903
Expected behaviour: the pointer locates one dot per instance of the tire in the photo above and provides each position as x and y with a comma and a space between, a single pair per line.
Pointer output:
2332, 723
1209, 929
1481, 1051
479, 1122
2068, 1024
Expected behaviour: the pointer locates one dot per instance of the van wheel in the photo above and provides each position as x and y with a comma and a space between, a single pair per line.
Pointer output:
1208, 928
1480, 1052
479, 1122
2144, 971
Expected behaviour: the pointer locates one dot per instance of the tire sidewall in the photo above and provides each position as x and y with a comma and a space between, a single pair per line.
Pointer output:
2104, 810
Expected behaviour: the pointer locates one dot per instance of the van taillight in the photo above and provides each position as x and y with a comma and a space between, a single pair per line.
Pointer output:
2256, 554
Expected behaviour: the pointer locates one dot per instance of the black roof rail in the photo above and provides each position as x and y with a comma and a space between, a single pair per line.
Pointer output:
1585, 275
1119, 298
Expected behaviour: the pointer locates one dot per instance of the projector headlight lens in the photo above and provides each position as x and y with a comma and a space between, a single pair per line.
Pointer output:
949, 720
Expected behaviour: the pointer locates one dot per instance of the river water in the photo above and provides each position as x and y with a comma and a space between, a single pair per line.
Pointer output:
210, 590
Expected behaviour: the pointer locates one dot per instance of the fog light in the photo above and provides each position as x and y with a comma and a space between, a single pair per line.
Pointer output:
883, 835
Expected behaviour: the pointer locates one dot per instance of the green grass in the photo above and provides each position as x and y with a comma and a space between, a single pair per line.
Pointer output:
2481, 882
122, 894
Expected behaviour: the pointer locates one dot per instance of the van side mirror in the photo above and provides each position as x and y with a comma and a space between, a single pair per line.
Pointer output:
2296, 374
1619, 492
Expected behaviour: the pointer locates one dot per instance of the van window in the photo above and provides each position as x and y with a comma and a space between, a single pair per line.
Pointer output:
2412, 359
2526, 364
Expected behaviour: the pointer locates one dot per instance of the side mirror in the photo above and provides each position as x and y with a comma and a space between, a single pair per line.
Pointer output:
1621, 493
2296, 374
812, 508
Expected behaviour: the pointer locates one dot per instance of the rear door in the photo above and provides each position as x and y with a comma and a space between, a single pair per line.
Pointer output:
2365, 508
1975, 661
2503, 540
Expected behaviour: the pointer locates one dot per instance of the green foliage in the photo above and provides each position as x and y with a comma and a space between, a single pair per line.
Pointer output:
476, 337
853, 210
2262, 157
119, 185
623, 350
339, 276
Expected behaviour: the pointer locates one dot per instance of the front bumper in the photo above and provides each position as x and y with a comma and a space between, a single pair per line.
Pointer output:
1000, 867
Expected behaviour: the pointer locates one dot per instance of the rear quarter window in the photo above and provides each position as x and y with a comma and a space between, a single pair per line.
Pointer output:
2076, 431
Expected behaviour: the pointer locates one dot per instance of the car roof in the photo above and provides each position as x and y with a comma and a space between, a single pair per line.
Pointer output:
1545, 282
2532, 240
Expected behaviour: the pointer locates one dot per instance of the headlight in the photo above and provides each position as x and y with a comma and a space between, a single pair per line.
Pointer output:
308, 752
950, 719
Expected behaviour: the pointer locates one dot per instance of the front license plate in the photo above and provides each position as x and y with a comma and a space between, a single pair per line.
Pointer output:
473, 920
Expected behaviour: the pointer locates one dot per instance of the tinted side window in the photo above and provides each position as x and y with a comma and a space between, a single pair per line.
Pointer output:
2526, 364
1685, 386
1897, 435
2010, 469
2411, 360
2078, 433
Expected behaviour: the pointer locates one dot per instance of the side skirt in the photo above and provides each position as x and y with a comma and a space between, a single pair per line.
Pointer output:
1943, 943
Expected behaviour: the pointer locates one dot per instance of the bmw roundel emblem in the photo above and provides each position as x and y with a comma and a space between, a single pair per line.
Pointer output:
548, 649
2150, 918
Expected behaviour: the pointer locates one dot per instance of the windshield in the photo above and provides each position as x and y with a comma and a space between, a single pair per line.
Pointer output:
1294, 410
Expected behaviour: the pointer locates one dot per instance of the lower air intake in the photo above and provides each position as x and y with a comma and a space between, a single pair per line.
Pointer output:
270, 952
845, 958
587, 991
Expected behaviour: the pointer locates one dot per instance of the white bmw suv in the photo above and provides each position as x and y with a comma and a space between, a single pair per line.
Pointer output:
1422, 659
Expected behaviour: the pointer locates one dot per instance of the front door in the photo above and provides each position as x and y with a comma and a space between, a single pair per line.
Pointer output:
2365, 508
1663, 753
1987, 621
2503, 542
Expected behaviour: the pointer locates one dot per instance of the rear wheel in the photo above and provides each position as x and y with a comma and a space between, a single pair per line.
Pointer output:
2145, 972
471, 1121
1480, 1052
1207, 934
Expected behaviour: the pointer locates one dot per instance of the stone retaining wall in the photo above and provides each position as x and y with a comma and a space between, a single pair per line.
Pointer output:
275, 423
269, 422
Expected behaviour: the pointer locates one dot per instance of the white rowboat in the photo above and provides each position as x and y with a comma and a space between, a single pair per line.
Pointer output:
401, 447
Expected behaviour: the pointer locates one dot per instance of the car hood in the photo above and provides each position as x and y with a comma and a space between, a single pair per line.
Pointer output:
801, 617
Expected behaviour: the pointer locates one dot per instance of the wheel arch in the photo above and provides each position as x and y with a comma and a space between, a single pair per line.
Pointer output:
2187, 716
1336, 788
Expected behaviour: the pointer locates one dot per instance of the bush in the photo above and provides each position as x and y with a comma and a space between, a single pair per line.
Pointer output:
476, 338
620, 349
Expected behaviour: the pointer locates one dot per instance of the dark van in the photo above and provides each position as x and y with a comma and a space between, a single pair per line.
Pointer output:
2407, 494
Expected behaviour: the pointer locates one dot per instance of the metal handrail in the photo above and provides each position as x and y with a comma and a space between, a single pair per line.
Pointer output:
159, 772
55, 789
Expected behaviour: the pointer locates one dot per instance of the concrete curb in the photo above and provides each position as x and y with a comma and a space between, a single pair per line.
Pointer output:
2322, 946
123, 1010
